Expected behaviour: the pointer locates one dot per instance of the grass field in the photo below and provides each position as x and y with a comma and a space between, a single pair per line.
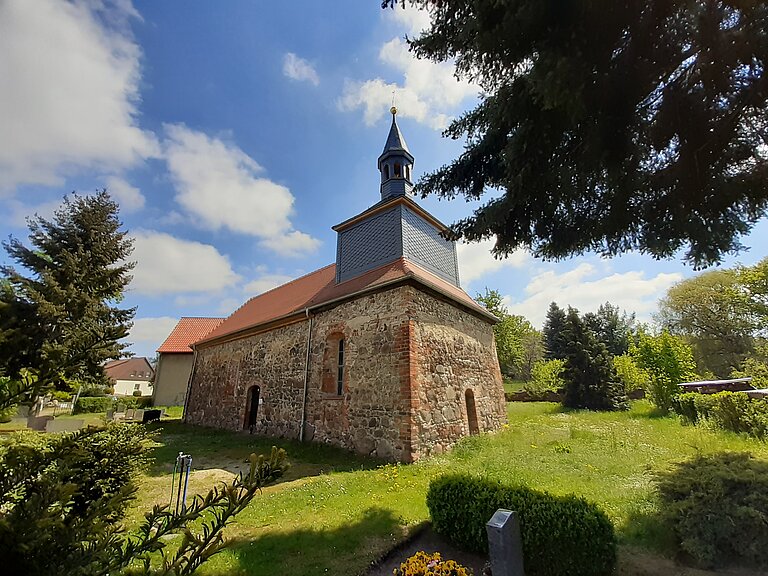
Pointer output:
334, 512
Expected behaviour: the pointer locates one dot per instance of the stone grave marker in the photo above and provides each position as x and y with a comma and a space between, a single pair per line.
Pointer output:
504, 544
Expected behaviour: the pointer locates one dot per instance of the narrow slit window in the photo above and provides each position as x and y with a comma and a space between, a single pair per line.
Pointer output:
340, 371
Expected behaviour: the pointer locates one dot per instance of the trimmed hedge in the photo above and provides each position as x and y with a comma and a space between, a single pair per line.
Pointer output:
135, 402
717, 506
561, 535
733, 411
89, 404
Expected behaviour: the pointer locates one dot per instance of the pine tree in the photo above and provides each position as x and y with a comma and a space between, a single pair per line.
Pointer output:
590, 380
607, 126
554, 326
62, 321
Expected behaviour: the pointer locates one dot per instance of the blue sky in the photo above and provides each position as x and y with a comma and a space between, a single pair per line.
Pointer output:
234, 135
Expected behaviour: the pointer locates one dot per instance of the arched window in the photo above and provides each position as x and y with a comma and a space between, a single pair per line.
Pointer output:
397, 170
469, 397
334, 364
407, 172
386, 171
340, 369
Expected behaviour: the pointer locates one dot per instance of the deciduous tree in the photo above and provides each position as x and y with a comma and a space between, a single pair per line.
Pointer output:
713, 312
515, 336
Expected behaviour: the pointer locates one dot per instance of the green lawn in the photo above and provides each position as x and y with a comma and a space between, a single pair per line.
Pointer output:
334, 513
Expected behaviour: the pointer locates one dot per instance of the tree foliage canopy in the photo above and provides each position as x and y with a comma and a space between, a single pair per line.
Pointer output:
517, 341
59, 313
714, 315
721, 313
607, 126
590, 380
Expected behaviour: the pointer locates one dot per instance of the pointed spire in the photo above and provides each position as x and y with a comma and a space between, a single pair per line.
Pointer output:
395, 140
395, 163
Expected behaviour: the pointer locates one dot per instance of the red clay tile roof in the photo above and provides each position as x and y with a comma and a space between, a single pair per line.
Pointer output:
137, 369
187, 331
319, 287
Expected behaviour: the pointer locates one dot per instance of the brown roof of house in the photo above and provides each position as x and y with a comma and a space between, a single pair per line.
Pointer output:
187, 331
319, 287
137, 368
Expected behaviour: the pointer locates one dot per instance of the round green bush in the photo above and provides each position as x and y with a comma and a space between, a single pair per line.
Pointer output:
717, 506
561, 535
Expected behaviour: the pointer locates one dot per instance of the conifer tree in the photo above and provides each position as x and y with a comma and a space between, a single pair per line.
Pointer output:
554, 326
590, 380
607, 126
59, 311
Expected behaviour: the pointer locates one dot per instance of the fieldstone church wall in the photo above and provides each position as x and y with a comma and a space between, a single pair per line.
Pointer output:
410, 361
223, 374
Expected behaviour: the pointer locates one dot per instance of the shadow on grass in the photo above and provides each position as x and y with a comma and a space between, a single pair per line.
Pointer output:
349, 549
646, 529
211, 448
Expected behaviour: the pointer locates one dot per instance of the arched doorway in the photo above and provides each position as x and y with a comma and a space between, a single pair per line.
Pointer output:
252, 407
469, 396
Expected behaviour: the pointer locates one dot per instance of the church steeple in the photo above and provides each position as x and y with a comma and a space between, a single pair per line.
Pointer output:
395, 163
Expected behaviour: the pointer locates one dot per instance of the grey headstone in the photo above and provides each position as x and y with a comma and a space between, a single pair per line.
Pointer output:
504, 544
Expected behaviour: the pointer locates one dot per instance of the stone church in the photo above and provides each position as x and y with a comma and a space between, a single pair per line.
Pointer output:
381, 352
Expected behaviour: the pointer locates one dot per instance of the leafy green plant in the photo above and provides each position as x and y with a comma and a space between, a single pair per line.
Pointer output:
423, 564
630, 374
545, 376
62, 499
561, 535
668, 360
88, 404
717, 506
732, 411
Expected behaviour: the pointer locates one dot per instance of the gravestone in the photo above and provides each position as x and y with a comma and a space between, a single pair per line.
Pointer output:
504, 544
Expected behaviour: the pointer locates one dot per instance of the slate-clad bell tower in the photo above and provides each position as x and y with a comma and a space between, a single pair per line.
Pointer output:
396, 226
395, 164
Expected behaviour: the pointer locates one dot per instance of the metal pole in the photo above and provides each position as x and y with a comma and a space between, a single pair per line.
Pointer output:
180, 461
188, 459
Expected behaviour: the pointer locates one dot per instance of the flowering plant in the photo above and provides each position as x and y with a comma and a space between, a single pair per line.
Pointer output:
423, 564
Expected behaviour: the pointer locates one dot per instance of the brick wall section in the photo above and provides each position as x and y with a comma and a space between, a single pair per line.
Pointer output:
367, 417
409, 359
455, 352
223, 374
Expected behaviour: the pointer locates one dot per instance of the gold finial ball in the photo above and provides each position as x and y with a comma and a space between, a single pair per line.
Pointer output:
393, 110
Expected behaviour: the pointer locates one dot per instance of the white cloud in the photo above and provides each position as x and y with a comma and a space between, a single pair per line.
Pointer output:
292, 244
413, 20
129, 197
265, 282
476, 260
299, 69
219, 185
583, 288
428, 92
18, 212
151, 331
168, 265
228, 305
69, 91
